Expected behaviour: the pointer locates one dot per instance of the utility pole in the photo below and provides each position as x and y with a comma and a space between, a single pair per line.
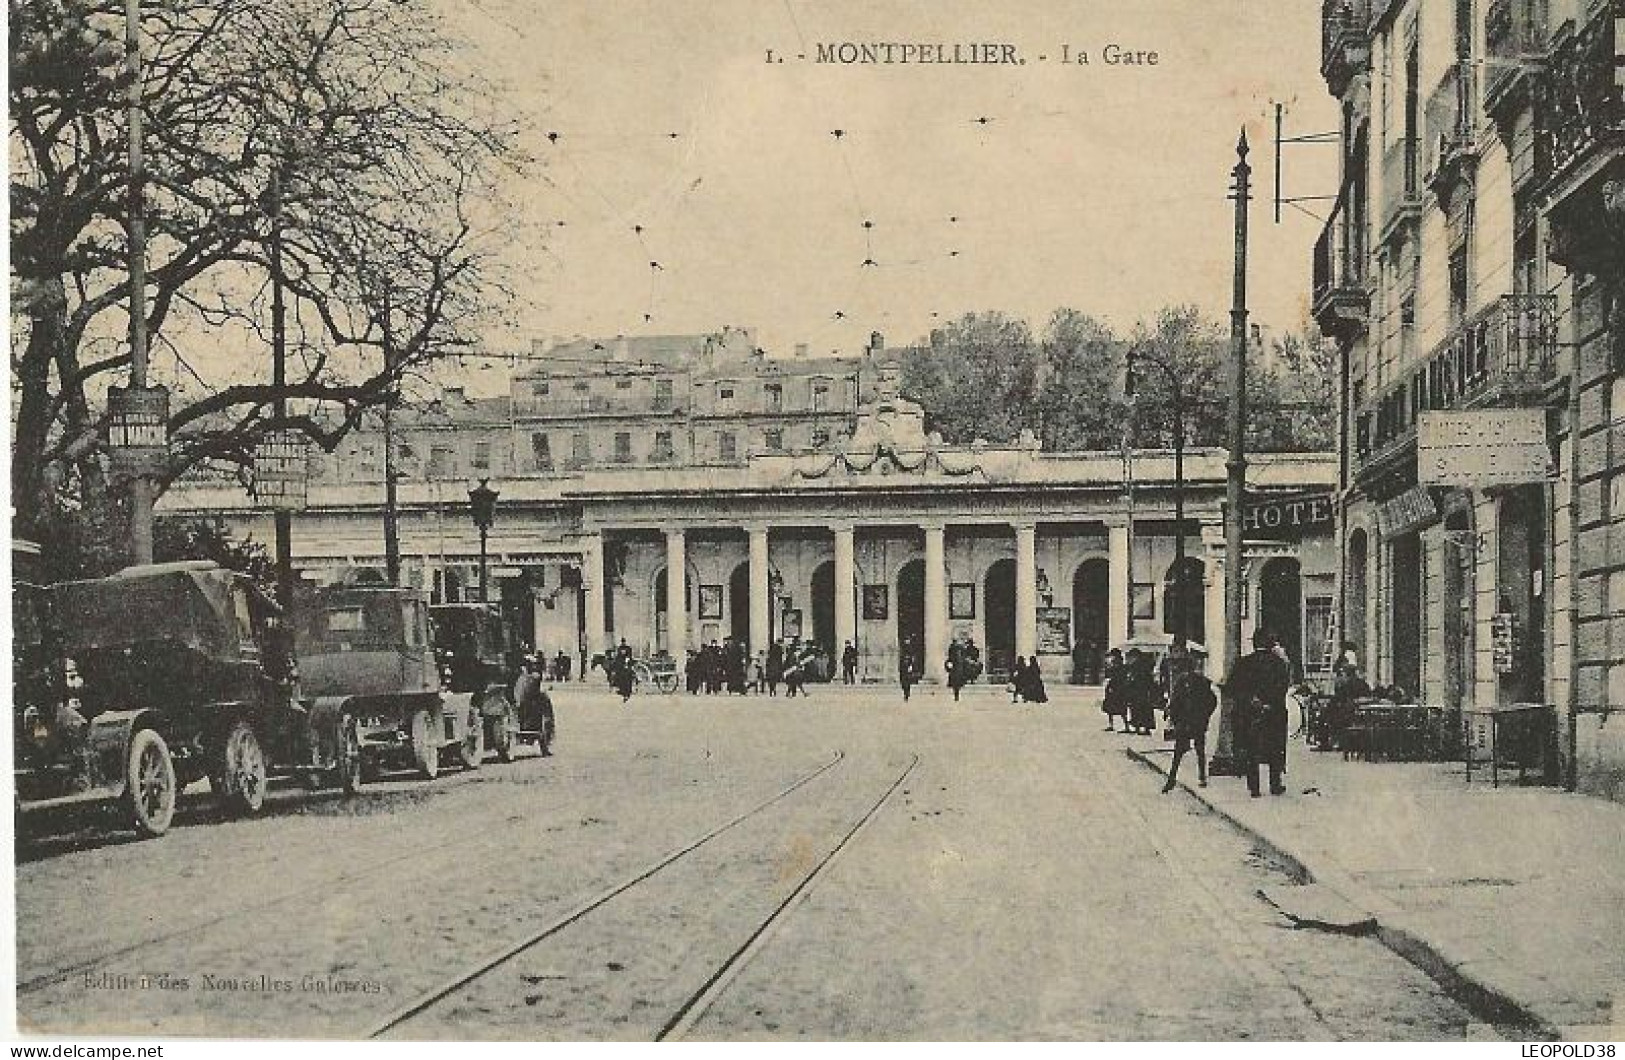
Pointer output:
392, 528
142, 487
282, 518
1224, 755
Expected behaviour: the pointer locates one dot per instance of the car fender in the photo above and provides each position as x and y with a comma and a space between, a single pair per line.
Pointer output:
109, 741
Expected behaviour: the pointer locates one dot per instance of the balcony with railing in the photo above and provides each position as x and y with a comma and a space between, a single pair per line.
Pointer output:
1341, 298
1401, 198
1452, 126
1582, 109
1504, 356
1515, 35
1345, 42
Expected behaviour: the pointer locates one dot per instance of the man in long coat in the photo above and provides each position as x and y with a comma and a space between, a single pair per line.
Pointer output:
1259, 685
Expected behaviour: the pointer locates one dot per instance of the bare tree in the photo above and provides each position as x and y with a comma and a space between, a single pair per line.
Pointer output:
346, 133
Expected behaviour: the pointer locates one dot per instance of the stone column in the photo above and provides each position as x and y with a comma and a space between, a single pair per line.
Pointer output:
760, 632
676, 595
1026, 589
594, 587
936, 603
846, 596
1117, 612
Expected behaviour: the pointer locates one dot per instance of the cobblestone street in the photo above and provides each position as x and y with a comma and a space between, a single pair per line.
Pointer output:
1024, 879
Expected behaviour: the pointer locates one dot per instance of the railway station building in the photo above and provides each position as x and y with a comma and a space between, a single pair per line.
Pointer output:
801, 498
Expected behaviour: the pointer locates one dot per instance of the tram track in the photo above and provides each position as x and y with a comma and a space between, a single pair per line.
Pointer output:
332, 886
684, 1015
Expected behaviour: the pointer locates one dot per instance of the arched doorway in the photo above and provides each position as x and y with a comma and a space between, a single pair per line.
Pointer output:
1184, 600
911, 611
1091, 608
999, 623
823, 613
739, 605
1354, 594
1280, 606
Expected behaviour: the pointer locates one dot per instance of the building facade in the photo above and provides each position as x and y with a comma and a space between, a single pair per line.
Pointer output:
1473, 262
880, 534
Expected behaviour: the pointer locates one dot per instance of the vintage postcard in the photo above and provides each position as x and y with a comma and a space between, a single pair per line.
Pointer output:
778, 520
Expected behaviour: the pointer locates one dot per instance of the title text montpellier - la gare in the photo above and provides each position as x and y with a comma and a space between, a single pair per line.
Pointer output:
882, 52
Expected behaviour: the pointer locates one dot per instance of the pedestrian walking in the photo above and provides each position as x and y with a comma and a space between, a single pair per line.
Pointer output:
621, 675
849, 663
533, 704
908, 668
1113, 703
1259, 685
1190, 709
956, 668
1142, 692
1174, 665
775, 667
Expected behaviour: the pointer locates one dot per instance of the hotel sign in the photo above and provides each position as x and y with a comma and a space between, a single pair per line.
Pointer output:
1287, 516
1484, 447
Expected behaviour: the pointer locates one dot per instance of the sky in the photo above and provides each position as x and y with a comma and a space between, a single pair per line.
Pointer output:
664, 135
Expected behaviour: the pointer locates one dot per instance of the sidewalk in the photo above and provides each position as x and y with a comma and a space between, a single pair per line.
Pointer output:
1514, 894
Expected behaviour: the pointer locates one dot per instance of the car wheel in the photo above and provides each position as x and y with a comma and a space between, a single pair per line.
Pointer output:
351, 769
426, 744
150, 788
471, 751
244, 769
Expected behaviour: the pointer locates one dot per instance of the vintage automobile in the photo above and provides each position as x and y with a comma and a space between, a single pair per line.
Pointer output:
365, 652
473, 654
141, 683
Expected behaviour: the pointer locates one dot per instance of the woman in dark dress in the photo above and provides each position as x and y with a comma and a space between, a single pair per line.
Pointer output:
1142, 699
1036, 693
1115, 702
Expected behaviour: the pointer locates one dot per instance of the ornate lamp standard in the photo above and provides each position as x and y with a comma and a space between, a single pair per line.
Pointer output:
1178, 391
482, 508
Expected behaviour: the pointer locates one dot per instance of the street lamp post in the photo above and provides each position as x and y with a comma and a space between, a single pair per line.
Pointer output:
1226, 760
1178, 392
482, 507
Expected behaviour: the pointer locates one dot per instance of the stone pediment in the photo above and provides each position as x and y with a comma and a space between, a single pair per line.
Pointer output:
889, 439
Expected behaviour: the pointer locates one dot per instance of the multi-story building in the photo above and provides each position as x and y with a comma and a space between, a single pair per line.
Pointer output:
659, 401
1470, 264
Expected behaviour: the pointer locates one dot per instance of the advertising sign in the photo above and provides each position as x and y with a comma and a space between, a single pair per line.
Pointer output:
1483, 447
1054, 630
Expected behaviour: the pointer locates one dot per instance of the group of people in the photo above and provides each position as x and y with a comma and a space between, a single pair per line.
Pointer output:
556, 668
717, 667
1136, 688
1027, 681
729, 667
